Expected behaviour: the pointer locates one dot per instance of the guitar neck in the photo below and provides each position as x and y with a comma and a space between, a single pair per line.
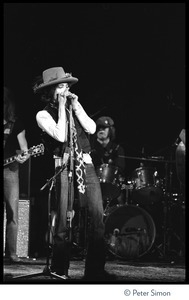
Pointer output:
9, 160
35, 150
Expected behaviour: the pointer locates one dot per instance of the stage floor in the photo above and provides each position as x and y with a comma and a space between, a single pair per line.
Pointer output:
126, 271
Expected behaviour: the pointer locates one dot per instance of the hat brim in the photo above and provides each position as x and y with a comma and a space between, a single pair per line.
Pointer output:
70, 80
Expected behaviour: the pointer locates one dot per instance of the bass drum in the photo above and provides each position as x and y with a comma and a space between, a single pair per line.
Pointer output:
129, 231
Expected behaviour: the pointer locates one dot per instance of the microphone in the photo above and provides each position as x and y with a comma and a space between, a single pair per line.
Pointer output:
69, 95
69, 98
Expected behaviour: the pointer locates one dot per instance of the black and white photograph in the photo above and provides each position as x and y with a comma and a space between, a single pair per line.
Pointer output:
94, 145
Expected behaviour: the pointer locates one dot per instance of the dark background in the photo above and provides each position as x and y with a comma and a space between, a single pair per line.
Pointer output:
130, 62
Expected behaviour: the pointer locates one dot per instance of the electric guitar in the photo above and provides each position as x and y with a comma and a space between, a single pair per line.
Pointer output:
33, 151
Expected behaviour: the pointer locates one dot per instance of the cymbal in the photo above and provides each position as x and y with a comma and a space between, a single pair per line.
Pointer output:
152, 158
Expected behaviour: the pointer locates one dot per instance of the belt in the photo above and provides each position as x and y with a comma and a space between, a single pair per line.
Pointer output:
59, 161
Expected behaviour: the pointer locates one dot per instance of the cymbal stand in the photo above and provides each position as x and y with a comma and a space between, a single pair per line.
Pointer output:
47, 270
165, 211
168, 231
162, 247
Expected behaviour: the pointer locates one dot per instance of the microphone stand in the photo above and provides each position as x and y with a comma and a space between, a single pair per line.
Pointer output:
169, 229
70, 212
47, 271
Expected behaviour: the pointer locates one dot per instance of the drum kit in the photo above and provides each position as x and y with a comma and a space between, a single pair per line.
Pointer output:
140, 225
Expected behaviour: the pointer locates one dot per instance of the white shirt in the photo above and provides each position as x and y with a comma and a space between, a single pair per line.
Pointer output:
58, 130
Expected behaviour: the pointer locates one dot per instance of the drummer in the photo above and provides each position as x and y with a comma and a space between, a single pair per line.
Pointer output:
105, 149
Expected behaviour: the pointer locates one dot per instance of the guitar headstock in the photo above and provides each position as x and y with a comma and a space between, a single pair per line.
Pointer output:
37, 150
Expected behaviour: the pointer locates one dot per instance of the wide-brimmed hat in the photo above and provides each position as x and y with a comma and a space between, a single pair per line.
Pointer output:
54, 76
105, 122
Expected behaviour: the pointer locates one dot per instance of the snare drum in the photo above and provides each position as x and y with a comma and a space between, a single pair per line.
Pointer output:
109, 177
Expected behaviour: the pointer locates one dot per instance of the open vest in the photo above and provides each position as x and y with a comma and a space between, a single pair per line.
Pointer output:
81, 145
58, 148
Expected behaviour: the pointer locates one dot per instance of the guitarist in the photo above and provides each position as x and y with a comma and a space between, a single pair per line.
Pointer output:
14, 139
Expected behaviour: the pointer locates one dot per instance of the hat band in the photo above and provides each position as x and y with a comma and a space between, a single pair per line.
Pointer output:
67, 75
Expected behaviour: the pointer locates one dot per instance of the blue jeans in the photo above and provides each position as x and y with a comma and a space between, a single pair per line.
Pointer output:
95, 259
11, 198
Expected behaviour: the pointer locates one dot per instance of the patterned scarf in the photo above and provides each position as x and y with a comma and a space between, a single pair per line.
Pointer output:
79, 166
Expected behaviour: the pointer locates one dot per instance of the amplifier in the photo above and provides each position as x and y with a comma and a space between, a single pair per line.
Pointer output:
23, 228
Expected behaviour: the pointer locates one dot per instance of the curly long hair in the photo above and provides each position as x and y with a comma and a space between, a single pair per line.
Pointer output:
46, 94
9, 105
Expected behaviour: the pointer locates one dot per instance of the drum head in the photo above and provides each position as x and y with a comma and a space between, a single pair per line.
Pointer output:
129, 231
